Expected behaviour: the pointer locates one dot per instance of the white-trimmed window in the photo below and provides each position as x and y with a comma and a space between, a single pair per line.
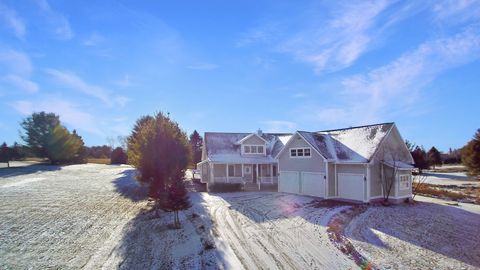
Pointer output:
404, 181
300, 152
254, 149
231, 170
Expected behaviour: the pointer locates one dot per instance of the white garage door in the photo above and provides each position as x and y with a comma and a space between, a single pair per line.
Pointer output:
289, 182
351, 186
313, 184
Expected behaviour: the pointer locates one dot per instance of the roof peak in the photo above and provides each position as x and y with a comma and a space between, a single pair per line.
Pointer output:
371, 125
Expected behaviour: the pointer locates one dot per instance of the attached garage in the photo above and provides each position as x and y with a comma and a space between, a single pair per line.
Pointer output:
289, 182
351, 186
313, 184
306, 183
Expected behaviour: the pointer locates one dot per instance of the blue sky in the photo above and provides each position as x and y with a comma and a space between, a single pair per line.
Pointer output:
224, 66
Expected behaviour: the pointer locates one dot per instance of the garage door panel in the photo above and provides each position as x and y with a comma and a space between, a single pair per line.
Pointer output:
313, 184
289, 182
351, 186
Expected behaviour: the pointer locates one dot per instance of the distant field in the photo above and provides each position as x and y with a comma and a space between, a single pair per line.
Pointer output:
98, 160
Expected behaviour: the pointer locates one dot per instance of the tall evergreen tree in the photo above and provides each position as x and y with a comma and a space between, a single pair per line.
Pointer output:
160, 151
434, 157
47, 137
6, 154
420, 158
196, 142
471, 155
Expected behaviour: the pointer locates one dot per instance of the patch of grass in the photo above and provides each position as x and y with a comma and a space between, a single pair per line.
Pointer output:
454, 193
99, 160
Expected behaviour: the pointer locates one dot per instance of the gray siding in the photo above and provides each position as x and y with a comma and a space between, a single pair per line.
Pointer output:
351, 168
204, 172
331, 180
313, 164
254, 140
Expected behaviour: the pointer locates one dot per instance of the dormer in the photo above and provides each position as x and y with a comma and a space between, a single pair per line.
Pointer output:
253, 144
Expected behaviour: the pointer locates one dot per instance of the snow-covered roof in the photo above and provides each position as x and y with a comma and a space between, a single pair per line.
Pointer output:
356, 144
350, 145
223, 147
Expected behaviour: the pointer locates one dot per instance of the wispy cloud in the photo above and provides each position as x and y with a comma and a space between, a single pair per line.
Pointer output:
69, 113
124, 82
60, 26
12, 20
459, 10
21, 83
279, 126
203, 66
338, 42
93, 40
396, 87
73, 81
18, 70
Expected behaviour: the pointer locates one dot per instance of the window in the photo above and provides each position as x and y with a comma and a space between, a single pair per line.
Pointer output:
404, 181
300, 152
253, 149
231, 170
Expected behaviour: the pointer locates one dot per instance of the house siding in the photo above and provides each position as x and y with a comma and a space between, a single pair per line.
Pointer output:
331, 180
313, 164
375, 179
254, 140
219, 170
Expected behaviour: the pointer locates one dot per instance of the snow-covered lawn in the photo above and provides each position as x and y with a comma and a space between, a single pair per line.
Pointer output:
428, 235
457, 178
96, 216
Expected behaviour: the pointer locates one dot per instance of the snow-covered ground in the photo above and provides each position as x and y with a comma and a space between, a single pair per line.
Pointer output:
457, 178
97, 217
428, 235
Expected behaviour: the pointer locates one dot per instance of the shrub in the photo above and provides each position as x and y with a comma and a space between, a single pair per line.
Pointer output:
224, 187
118, 156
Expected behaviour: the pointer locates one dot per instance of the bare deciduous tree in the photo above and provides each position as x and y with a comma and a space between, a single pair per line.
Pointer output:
417, 183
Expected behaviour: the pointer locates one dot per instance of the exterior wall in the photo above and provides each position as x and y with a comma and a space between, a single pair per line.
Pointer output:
204, 172
392, 148
219, 170
254, 140
313, 164
331, 186
404, 192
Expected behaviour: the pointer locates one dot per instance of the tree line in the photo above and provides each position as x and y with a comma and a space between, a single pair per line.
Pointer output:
469, 156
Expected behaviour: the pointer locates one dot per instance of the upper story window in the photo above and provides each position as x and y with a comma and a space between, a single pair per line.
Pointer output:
300, 152
254, 149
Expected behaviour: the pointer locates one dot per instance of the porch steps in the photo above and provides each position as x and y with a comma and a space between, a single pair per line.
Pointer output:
251, 187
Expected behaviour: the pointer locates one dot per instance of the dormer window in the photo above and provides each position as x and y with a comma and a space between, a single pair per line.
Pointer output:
254, 149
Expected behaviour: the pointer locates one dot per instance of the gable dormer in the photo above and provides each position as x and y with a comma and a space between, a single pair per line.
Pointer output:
253, 144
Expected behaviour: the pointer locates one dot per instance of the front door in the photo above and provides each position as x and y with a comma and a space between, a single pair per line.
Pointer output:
254, 173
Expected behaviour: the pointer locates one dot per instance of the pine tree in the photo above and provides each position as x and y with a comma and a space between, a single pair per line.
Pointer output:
471, 155
118, 156
434, 157
420, 158
196, 143
6, 154
160, 151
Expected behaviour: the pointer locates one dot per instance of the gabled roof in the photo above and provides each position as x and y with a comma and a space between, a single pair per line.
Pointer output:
224, 147
249, 136
354, 144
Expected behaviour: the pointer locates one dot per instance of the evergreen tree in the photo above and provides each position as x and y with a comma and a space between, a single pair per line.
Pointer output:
196, 143
434, 157
119, 156
160, 151
471, 155
420, 158
47, 137
6, 154
175, 199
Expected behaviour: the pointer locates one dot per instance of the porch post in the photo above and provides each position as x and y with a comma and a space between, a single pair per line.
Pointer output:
243, 179
258, 179
211, 172
271, 173
226, 170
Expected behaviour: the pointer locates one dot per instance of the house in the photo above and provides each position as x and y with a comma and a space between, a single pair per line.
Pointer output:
356, 164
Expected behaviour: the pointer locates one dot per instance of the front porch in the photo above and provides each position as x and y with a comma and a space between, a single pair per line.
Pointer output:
244, 173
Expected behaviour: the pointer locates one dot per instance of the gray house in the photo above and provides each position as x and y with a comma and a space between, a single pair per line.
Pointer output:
356, 164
